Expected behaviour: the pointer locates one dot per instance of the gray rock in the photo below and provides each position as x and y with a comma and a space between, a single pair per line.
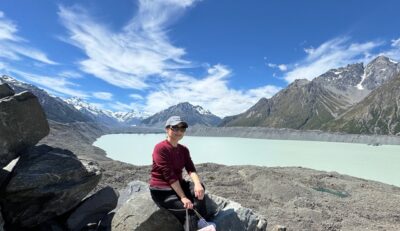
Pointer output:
45, 183
232, 216
93, 209
22, 124
133, 189
5, 90
139, 212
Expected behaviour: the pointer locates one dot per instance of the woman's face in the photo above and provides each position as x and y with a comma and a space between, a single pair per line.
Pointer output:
176, 132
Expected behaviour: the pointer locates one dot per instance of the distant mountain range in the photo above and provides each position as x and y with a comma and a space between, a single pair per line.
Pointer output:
352, 99
131, 118
77, 110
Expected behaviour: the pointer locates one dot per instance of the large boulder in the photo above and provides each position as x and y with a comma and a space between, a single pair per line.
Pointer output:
22, 124
137, 211
140, 213
93, 209
46, 182
133, 189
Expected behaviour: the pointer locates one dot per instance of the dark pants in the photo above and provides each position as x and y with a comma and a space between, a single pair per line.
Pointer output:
169, 200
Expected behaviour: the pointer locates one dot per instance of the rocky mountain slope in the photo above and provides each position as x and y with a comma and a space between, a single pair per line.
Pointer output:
312, 104
194, 115
378, 113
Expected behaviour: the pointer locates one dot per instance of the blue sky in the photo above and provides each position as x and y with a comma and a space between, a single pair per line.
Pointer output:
223, 55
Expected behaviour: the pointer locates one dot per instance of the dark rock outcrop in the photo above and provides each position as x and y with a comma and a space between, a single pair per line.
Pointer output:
3, 177
93, 209
22, 124
46, 182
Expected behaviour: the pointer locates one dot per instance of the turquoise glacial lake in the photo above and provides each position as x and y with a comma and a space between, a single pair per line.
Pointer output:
380, 163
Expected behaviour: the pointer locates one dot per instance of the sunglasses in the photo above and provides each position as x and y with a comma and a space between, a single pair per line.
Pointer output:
177, 128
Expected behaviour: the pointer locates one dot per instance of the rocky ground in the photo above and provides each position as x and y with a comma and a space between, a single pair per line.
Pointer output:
298, 198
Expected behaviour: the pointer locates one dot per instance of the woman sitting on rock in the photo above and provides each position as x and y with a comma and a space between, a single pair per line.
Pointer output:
168, 189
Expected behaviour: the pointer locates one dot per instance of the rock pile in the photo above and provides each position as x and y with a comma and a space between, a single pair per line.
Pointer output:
46, 187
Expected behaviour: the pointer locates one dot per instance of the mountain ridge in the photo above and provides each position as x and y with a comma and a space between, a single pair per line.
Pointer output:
309, 105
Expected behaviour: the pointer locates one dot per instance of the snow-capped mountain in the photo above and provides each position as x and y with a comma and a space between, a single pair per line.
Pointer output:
106, 116
194, 115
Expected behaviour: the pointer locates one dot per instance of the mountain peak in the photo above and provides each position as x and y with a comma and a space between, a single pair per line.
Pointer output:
378, 71
192, 114
381, 58
189, 106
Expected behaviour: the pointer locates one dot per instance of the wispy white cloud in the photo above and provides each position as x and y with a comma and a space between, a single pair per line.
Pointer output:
334, 53
396, 42
55, 85
136, 96
281, 67
70, 74
211, 92
13, 47
8, 29
136, 52
394, 51
103, 95
119, 106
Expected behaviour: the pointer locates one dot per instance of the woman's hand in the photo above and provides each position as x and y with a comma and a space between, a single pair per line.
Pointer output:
187, 203
199, 191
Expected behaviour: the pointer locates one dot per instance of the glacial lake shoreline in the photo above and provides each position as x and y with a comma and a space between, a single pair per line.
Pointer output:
379, 163
271, 133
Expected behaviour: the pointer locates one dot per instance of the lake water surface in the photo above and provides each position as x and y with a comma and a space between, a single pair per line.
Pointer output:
380, 163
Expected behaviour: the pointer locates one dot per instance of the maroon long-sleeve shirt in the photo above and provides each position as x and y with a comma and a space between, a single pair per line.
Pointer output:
168, 163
